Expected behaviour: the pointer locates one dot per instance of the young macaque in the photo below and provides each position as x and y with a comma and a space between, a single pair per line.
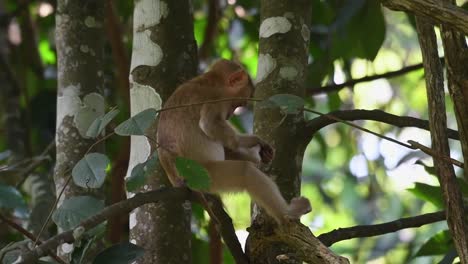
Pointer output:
202, 133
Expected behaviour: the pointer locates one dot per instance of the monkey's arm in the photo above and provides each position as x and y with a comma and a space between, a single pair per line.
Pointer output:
248, 154
213, 123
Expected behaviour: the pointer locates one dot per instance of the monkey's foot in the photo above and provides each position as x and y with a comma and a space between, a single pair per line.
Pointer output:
299, 206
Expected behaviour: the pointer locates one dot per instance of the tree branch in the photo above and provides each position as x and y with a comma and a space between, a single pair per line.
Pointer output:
341, 234
437, 11
36, 162
337, 87
28, 234
214, 207
108, 212
225, 222
314, 125
214, 15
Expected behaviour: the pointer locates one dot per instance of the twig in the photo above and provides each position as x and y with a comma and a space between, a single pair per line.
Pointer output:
66, 184
53, 208
29, 235
336, 87
434, 154
360, 128
320, 122
315, 124
209, 102
341, 234
23, 175
99, 141
210, 29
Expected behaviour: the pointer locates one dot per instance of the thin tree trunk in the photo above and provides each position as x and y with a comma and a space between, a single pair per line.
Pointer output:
79, 38
456, 218
164, 55
283, 51
284, 45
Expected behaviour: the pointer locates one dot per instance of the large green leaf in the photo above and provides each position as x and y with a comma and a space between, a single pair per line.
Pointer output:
76, 209
432, 194
365, 30
11, 198
137, 125
371, 29
100, 123
196, 175
140, 172
122, 253
90, 171
439, 244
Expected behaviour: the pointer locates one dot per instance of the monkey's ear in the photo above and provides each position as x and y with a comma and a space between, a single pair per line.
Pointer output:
237, 81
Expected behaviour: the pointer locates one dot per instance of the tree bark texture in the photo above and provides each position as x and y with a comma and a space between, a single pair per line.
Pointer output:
456, 216
164, 55
283, 53
443, 12
456, 58
79, 40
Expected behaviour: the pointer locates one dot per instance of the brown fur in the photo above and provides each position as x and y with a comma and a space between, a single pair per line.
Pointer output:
202, 133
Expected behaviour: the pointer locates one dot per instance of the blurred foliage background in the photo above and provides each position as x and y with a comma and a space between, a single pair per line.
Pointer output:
351, 177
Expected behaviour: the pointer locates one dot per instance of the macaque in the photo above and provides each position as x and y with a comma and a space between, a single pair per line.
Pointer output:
202, 133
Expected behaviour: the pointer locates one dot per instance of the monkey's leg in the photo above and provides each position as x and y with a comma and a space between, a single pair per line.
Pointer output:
236, 175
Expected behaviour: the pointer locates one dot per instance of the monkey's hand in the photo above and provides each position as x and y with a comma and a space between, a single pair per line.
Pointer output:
267, 152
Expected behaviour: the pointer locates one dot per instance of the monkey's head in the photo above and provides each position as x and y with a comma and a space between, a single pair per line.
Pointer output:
237, 82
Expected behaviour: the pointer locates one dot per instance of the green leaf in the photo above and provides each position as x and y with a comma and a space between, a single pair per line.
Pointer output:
439, 244
288, 103
11, 198
334, 101
122, 253
76, 209
137, 124
140, 172
429, 169
46, 53
371, 29
366, 30
198, 212
196, 175
432, 194
100, 123
90, 171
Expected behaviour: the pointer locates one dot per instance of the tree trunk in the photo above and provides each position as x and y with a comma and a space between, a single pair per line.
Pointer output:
284, 46
79, 32
283, 53
456, 217
164, 55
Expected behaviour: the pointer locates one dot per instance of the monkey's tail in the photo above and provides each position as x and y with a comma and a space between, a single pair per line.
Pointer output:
167, 160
